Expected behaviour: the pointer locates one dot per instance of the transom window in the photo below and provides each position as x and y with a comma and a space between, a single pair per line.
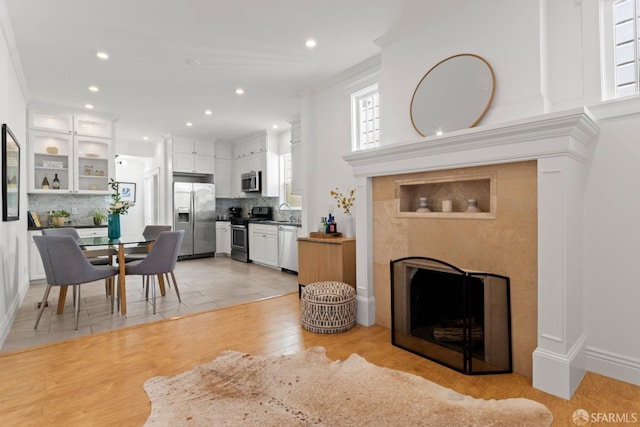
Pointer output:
625, 34
365, 118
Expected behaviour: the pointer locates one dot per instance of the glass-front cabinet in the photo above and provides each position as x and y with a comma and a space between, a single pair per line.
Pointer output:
66, 161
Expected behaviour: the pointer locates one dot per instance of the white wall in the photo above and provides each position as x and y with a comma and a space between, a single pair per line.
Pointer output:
134, 220
13, 243
543, 53
612, 233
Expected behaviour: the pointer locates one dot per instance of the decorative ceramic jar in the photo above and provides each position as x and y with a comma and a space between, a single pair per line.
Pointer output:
472, 206
423, 205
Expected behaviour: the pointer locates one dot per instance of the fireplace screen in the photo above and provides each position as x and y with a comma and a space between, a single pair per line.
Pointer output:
457, 318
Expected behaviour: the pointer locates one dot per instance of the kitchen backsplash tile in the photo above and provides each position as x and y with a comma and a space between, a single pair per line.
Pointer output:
86, 205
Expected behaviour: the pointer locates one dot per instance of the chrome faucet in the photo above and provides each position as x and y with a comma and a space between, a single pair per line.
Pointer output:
288, 206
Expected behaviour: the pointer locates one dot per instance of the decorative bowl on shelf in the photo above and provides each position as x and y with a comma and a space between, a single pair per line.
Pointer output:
51, 150
94, 155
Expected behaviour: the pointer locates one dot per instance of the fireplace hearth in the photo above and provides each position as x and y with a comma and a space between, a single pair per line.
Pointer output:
457, 318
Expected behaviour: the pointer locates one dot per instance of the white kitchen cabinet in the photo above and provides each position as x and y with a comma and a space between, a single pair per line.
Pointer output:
193, 155
82, 162
89, 125
36, 269
223, 168
72, 124
257, 152
223, 237
263, 244
92, 232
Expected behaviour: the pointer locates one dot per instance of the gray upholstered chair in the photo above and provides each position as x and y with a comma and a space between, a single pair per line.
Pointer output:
160, 260
65, 265
95, 256
140, 251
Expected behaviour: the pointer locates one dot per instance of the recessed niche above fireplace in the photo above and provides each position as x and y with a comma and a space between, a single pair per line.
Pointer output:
457, 318
448, 197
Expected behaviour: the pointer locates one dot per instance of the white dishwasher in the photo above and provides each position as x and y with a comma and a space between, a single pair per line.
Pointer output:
288, 247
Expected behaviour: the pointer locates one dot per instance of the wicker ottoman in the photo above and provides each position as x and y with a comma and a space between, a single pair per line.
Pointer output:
328, 307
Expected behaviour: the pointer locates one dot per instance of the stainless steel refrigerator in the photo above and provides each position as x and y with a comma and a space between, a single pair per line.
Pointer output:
194, 211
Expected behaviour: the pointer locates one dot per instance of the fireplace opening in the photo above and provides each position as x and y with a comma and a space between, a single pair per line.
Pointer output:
454, 317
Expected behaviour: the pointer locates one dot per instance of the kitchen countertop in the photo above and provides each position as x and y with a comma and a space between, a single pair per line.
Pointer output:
69, 226
275, 222
268, 222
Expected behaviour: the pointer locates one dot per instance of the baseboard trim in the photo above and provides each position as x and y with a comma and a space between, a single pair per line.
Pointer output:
613, 365
7, 321
559, 374
365, 310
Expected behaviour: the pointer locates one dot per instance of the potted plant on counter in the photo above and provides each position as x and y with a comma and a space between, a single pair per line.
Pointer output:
59, 218
99, 217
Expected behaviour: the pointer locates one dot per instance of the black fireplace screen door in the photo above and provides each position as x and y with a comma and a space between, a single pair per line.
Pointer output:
457, 318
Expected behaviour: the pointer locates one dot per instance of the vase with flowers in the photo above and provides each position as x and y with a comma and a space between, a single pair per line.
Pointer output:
116, 208
345, 203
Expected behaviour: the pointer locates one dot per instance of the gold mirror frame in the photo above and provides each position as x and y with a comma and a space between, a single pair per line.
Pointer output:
454, 94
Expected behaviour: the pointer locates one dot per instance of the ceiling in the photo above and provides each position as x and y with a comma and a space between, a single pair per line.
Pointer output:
170, 60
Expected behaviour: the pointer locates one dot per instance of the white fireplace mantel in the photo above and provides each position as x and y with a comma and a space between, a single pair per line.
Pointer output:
561, 143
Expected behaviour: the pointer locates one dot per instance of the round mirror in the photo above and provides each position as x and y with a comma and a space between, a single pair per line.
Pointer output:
454, 94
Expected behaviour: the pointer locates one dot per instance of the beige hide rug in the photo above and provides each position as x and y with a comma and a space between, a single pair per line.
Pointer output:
306, 388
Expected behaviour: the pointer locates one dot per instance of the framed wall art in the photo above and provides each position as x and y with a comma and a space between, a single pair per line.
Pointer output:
10, 176
127, 191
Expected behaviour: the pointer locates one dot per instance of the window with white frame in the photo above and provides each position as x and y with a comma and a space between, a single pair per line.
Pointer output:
286, 175
365, 118
625, 29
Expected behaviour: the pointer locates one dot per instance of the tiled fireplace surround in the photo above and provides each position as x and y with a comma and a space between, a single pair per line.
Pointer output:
535, 238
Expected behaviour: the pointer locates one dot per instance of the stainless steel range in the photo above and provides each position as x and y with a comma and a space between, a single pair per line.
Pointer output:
240, 231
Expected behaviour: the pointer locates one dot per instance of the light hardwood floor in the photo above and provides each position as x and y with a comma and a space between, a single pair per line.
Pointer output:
97, 380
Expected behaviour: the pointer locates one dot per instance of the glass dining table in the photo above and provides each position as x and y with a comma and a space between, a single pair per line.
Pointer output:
118, 249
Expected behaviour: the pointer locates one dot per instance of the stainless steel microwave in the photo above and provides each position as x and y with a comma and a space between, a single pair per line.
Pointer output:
251, 181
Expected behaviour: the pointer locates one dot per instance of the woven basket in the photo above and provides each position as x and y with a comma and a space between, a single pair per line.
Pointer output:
328, 307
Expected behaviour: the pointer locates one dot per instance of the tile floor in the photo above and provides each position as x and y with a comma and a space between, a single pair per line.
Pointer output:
204, 284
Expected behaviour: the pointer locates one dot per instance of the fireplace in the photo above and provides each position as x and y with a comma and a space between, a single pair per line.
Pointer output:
550, 349
457, 318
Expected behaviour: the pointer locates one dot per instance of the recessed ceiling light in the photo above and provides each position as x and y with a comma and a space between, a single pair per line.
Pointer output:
102, 55
310, 43
88, 106
145, 138
208, 112
93, 88
239, 91
275, 126
189, 124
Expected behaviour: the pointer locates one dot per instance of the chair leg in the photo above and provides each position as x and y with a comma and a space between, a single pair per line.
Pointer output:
153, 292
110, 285
42, 304
175, 285
145, 279
76, 293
